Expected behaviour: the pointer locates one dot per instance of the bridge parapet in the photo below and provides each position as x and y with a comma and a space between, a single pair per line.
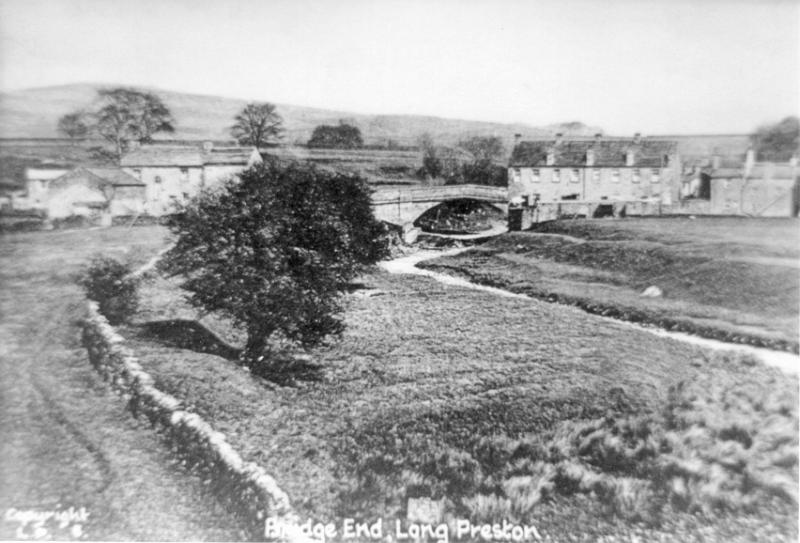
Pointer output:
441, 193
403, 206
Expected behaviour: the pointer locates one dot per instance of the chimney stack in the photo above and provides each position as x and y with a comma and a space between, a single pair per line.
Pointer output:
559, 137
517, 139
637, 137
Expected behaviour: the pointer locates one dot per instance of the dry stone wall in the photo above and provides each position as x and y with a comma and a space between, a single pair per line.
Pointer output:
244, 486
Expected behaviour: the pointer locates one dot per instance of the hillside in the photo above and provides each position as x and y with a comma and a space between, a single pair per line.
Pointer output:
33, 113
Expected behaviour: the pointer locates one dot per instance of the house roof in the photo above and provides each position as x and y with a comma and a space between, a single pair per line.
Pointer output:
229, 155
163, 155
772, 170
97, 177
762, 170
726, 172
44, 174
115, 176
186, 156
648, 153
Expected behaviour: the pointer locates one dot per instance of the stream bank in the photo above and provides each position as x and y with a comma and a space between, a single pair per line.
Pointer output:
787, 361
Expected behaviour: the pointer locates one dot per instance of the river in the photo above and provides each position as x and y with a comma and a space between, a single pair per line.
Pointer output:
787, 362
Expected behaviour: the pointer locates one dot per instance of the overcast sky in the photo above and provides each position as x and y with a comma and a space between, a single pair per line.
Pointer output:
654, 66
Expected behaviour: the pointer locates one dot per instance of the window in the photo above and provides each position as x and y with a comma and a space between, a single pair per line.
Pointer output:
615, 176
515, 175
157, 180
184, 174
137, 173
596, 174
535, 175
556, 176
655, 175
637, 176
574, 176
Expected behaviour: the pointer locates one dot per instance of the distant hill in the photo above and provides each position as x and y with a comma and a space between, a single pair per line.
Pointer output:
33, 113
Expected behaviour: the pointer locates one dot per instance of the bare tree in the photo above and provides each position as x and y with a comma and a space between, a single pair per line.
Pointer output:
256, 124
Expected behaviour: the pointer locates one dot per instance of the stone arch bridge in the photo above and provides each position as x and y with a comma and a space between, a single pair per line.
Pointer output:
403, 206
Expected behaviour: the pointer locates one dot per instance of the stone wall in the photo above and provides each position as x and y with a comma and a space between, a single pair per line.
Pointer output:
244, 487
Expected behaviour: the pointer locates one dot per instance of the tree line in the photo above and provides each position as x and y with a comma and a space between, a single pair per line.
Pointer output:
123, 116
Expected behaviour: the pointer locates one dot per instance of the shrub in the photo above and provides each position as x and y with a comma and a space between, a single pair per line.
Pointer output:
108, 282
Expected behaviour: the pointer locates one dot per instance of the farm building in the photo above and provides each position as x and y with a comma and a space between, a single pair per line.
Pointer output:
176, 173
87, 192
763, 189
594, 170
37, 182
741, 186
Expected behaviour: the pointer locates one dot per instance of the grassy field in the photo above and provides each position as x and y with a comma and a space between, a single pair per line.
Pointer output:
67, 439
502, 408
727, 278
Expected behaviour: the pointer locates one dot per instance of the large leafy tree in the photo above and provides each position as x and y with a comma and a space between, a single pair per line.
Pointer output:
484, 168
73, 125
274, 250
257, 125
127, 115
343, 136
778, 141
483, 148
124, 115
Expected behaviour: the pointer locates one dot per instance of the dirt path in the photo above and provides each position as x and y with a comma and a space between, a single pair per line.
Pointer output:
67, 439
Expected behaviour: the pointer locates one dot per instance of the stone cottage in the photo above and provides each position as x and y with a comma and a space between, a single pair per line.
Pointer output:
173, 174
88, 192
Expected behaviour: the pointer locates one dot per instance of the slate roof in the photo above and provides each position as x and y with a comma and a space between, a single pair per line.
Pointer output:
163, 155
648, 153
726, 172
228, 155
98, 177
771, 170
185, 156
115, 176
760, 170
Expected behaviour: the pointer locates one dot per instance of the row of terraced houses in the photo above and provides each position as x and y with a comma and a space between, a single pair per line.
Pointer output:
643, 176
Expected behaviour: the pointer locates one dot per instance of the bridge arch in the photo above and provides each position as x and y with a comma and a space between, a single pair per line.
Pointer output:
452, 208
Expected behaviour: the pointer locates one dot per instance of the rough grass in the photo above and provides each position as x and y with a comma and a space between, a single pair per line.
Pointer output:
733, 279
67, 439
450, 393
